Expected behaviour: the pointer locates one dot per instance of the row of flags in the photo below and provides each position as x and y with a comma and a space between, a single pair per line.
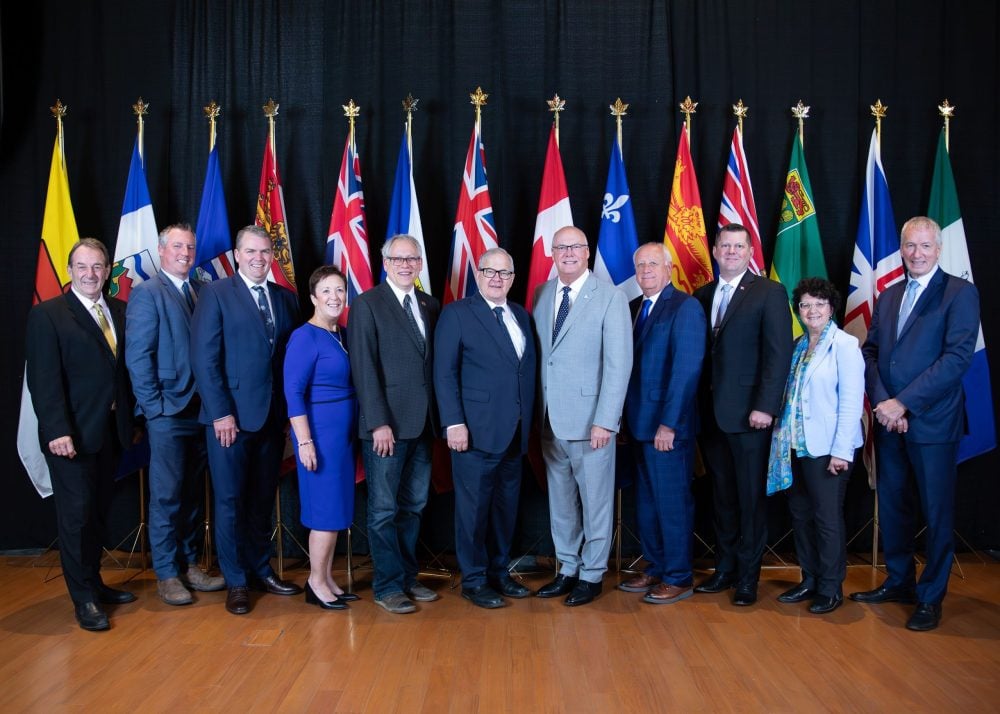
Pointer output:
798, 248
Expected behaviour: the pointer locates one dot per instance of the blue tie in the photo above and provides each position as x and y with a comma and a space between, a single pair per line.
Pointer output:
561, 314
641, 320
188, 297
908, 299
265, 312
723, 304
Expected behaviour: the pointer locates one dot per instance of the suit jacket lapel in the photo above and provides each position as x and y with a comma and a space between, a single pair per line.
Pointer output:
737, 297
822, 351
935, 285
498, 332
395, 309
85, 318
658, 307
578, 306
243, 293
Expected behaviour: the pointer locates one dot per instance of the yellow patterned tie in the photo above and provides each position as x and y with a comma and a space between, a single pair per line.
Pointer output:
106, 329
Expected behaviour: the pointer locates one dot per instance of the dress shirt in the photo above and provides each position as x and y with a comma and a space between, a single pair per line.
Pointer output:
574, 289
652, 303
253, 293
516, 336
922, 282
400, 294
89, 304
717, 298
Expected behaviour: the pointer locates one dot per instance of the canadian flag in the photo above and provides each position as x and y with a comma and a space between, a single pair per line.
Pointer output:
553, 213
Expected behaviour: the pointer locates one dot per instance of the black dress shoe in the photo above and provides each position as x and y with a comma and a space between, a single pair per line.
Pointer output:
745, 595
348, 597
797, 594
110, 596
583, 593
822, 604
717, 583
484, 596
510, 588
274, 585
91, 617
925, 617
884, 594
313, 599
560, 586
238, 600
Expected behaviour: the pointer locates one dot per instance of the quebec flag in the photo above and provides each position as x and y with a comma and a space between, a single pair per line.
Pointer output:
136, 258
617, 240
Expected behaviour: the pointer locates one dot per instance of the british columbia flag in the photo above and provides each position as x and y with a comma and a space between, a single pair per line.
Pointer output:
474, 231
347, 243
737, 200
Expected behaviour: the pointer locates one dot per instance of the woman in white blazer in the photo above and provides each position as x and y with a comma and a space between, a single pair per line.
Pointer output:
814, 441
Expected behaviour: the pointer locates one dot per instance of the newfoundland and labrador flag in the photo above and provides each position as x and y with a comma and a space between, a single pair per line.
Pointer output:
943, 208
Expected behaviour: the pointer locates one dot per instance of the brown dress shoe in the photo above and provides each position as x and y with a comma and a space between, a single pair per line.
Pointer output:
664, 594
197, 579
639, 584
173, 592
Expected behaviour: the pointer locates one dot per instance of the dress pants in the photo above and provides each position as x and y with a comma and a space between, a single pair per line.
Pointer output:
176, 489
398, 486
665, 509
487, 487
931, 468
816, 502
738, 464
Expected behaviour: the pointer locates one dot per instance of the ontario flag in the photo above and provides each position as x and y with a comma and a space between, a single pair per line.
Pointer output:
877, 265
685, 232
271, 217
347, 241
553, 213
737, 200
136, 257
618, 239
474, 231
404, 212
943, 208
214, 248
59, 234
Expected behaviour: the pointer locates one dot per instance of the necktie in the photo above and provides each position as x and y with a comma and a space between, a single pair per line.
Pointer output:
723, 304
498, 311
641, 320
102, 320
908, 299
561, 314
188, 295
265, 312
408, 309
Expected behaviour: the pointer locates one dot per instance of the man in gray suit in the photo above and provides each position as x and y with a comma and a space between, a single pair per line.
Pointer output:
585, 338
391, 337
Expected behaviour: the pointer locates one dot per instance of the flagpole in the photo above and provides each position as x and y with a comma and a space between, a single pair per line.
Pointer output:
409, 106
478, 100
878, 111
618, 110
556, 105
140, 109
740, 111
271, 111
801, 112
59, 111
211, 112
687, 109
947, 111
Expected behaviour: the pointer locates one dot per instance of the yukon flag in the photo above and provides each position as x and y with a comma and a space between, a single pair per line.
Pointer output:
136, 257
617, 240
877, 265
553, 213
982, 436
798, 250
58, 236
347, 241
214, 248
271, 217
685, 232
737, 200
474, 232
404, 213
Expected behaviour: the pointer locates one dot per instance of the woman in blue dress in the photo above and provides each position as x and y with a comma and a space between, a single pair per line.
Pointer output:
322, 408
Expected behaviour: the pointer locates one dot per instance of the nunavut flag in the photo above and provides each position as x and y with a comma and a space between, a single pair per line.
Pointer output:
59, 234
553, 213
271, 217
685, 235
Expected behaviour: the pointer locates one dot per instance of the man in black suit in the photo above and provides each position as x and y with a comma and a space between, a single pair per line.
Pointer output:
80, 390
743, 381
484, 381
391, 337
238, 332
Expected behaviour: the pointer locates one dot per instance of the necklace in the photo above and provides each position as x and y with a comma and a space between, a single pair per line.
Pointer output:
333, 332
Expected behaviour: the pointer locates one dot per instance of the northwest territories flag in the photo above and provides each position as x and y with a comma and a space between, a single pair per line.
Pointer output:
404, 213
617, 240
943, 208
136, 258
214, 249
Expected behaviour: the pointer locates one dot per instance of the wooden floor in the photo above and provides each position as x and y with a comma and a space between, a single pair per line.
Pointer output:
615, 655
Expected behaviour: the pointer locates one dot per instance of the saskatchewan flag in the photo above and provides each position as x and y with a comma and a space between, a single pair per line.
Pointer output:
798, 251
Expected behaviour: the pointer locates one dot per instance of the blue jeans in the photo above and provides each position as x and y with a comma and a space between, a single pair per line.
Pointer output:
397, 493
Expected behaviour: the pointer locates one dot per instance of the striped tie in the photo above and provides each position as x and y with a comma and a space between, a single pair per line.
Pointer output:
106, 329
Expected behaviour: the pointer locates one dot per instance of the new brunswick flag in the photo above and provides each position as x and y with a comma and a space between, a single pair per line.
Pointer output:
685, 234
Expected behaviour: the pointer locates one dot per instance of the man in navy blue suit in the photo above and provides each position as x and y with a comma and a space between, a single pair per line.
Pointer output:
920, 343
158, 356
484, 379
669, 331
239, 331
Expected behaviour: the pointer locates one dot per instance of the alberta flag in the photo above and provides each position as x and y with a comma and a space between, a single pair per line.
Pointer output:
347, 239
617, 240
214, 249
136, 257
553, 213
474, 232
877, 265
982, 436
404, 213
737, 200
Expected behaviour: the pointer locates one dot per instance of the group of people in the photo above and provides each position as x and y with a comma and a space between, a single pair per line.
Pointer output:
216, 371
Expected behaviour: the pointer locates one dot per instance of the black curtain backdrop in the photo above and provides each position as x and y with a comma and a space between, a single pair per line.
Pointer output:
311, 57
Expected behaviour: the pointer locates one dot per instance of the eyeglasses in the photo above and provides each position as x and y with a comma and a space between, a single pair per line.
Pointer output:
811, 305
491, 273
568, 248
411, 260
